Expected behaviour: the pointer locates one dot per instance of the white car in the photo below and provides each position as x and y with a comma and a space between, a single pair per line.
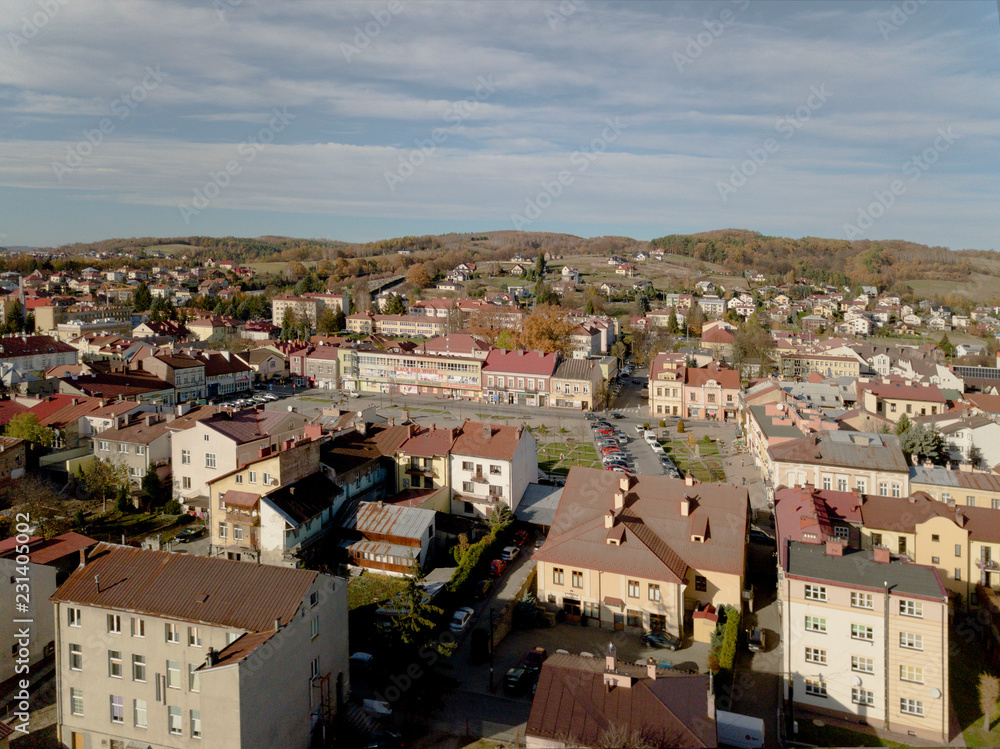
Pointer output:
657, 448
650, 436
460, 619
509, 553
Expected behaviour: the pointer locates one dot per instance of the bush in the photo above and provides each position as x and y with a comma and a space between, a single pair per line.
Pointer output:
706, 440
663, 423
474, 554
727, 653
173, 507
680, 427
124, 504
645, 425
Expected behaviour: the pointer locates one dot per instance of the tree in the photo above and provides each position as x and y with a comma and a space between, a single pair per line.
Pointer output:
488, 323
289, 324
152, 492
619, 350
602, 395
13, 321
946, 345
26, 427
499, 516
540, 265
752, 345
672, 326
989, 694
903, 425
923, 442
418, 276
326, 324
339, 320
545, 295
395, 305
104, 478
547, 329
142, 298
695, 319
641, 305
975, 457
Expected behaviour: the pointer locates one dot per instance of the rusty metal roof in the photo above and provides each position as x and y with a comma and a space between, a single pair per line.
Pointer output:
179, 586
377, 519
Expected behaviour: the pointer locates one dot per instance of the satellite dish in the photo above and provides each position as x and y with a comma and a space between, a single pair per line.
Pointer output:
935, 693
856, 681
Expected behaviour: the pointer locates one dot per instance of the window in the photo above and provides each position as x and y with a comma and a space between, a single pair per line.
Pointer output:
862, 600
174, 720
911, 608
223, 530
73, 617
815, 624
139, 713
140, 450
252, 477
958, 550
935, 560
558, 577
577, 579
815, 592
876, 539
76, 701
138, 627
911, 641
495, 470
196, 724
173, 674
314, 599
815, 688
115, 624
103, 445
842, 532
592, 610
314, 628
194, 636
115, 664
194, 681
75, 657
862, 632
862, 486
633, 588
911, 707
841, 485
239, 478
654, 592
633, 618
467, 465
117, 709
815, 655
897, 490
700, 583
861, 696
209, 460
173, 632
186, 457
468, 487
827, 483
266, 479
862, 664
958, 574
883, 488
496, 491
138, 668
205, 436
911, 673
122, 448
237, 533
185, 482
970, 501
658, 622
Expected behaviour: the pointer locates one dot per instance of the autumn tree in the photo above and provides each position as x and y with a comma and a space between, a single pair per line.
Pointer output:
104, 478
989, 695
547, 329
25, 426
488, 323
695, 319
418, 276
752, 346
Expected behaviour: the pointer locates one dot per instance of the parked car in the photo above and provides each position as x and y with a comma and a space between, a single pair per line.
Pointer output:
623, 439
639, 429
460, 619
615, 414
482, 589
385, 740
660, 640
534, 658
509, 553
756, 640
521, 537
590, 416
189, 534
498, 567
657, 448
757, 536
650, 436
517, 680
636, 381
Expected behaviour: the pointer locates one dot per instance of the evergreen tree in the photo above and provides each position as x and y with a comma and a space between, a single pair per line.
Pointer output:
142, 299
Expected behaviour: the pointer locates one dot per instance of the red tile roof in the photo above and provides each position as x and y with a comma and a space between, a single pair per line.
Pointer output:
490, 441
9, 409
428, 443
521, 362
43, 551
14, 346
727, 378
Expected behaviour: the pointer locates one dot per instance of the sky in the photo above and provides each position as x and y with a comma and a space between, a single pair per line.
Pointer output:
362, 121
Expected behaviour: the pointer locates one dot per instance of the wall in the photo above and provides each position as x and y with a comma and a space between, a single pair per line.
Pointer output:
41, 585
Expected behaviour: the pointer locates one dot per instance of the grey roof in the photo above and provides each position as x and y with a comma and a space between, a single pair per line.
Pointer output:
823, 395
857, 569
769, 428
850, 449
380, 519
575, 369
538, 504
939, 476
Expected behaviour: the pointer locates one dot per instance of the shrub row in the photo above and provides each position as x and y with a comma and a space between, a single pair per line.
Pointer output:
474, 555
727, 652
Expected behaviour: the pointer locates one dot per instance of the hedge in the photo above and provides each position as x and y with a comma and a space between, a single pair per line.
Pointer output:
727, 653
470, 561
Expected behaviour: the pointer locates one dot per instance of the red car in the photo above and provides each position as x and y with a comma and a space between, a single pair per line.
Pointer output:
610, 450
497, 567
521, 537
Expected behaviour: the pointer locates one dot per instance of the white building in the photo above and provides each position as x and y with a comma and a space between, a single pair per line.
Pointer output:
491, 464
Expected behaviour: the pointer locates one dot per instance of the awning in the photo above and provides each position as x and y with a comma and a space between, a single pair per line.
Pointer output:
240, 499
609, 601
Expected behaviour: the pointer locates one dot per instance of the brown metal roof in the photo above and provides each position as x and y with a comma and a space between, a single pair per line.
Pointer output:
499, 443
880, 452
190, 588
240, 499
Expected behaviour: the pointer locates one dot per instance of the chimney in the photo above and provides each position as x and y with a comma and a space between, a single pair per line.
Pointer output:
611, 658
685, 506
688, 480
487, 431
619, 500
83, 558
881, 555
651, 668
150, 419
609, 519
624, 484
834, 548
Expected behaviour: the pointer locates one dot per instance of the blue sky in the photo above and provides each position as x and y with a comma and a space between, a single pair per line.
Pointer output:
360, 121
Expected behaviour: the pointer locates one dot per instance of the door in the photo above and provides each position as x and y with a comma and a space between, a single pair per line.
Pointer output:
77, 740
571, 609
619, 622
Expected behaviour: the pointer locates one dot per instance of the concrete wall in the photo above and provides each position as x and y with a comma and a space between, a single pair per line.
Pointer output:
40, 584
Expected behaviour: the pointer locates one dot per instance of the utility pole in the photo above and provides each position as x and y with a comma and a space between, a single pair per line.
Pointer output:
491, 647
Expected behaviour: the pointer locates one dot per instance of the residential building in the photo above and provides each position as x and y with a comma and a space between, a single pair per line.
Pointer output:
491, 464
394, 538
322, 367
643, 552
575, 384
48, 317
36, 353
866, 639
137, 385
71, 329
141, 444
225, 374
423, 460
578, 699
362, 460
814, 516
801, 365
964, 487
265, 363
893, 399
518, 377
304, 308
410, 373
710, 392
156, 648
13, 454
184, 372
214, 328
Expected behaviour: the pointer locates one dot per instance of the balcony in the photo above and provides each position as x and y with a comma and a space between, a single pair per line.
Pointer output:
988, 564
428, 471
242, 518
480, 478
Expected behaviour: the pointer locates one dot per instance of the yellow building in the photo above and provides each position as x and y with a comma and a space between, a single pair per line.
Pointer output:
636, 553
972, 489
894, 399
423, 461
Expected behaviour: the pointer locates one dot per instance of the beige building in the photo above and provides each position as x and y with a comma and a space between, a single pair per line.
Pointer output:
638, 553
574, 384
865, 638
48, 317
423, 461
801, 365
142, 443
962, 487
171, 650
304, 309
894, 399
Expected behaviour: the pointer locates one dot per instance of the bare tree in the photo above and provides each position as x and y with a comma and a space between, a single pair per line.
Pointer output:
989, 694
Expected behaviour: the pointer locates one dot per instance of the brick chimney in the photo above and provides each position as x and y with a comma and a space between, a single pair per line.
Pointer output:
834, 548
881, 555
609, 519
619, 500
487, 431
611, 658
685, 506
689, 480
651, 668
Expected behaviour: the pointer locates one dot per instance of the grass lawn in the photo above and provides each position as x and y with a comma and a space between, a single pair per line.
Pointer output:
172, 249
828, 735
135, 525
559, 457
370, 587
963, 681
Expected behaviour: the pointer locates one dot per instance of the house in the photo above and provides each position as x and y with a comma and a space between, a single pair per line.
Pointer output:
575, 384
362, 459
322, 368
717, 337
570, 274
47, 565
871, 639
13, 455
712, 306
964, 487
225, 374
265, 363
423, 460
579, 702
181, 649
809, 515
491, 464
221, 442
260, 330
185, 372
36, 353
272, 509
517, 270
625, 270
394, 538
141, 444
166, 331
518, 377
710, 392
642, 552
970, 349
893, 399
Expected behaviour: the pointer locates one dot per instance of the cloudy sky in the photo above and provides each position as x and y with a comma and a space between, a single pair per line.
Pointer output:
361, 121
